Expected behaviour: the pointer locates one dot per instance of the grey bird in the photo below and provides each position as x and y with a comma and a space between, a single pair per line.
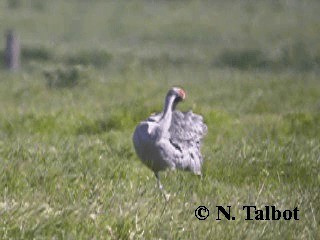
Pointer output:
171, 139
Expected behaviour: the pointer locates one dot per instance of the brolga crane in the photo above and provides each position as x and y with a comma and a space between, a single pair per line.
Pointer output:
171, 139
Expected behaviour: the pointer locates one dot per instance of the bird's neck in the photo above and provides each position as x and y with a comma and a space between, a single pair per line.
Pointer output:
165, 120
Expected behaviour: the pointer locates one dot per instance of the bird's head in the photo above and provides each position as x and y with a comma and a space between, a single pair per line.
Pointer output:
179, 94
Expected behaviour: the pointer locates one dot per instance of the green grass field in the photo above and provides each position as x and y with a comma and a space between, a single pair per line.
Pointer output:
91, 70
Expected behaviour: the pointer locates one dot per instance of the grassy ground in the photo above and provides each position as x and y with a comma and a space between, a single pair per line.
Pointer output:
92, 71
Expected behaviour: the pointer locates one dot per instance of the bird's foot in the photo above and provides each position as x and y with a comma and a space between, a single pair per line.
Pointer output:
165, 195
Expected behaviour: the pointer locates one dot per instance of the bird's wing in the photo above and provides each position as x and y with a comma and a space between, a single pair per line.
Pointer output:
184, 125
187, 126
186, 132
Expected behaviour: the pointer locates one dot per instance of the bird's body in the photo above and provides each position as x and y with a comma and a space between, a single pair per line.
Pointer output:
171, 139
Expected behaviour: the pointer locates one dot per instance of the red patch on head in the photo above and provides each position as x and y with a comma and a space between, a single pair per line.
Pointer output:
182, 93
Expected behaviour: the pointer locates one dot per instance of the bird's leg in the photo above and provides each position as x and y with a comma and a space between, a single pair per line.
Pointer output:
158, 181
165, 195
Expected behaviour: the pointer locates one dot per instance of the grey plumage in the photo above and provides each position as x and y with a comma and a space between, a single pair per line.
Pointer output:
171, 139
186, 132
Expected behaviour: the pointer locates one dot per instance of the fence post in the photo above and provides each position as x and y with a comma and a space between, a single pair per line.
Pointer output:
12, 51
